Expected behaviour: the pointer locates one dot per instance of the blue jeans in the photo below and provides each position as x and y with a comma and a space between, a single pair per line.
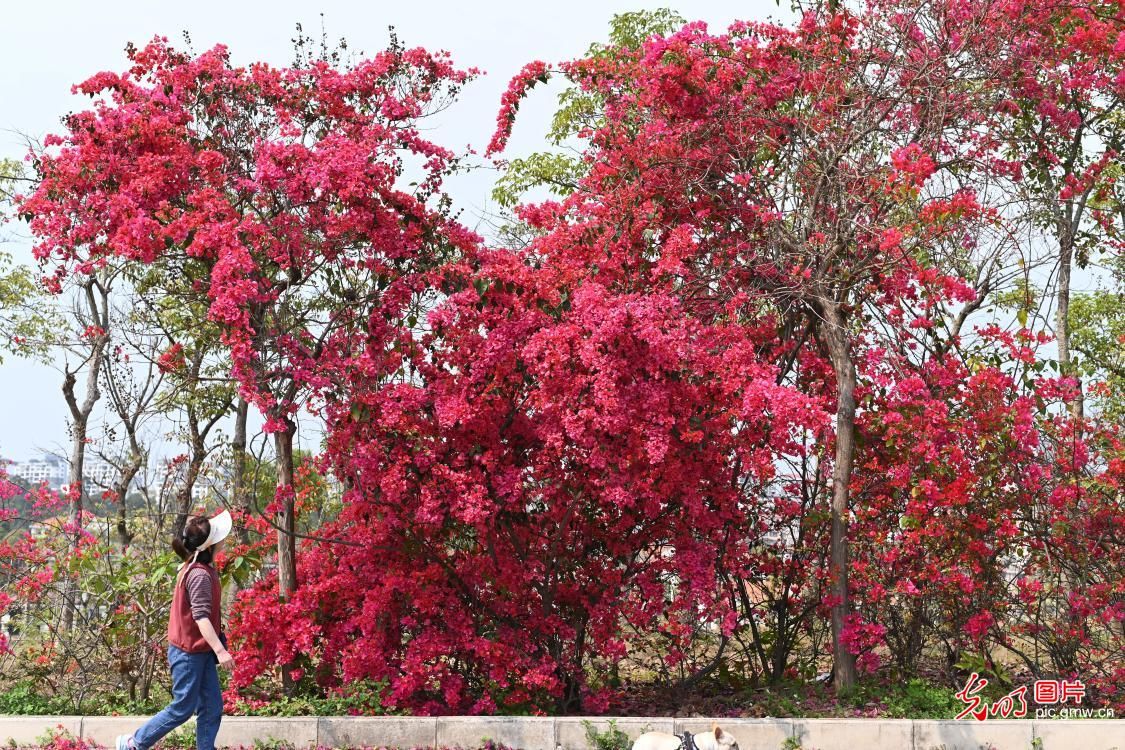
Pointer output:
195, 690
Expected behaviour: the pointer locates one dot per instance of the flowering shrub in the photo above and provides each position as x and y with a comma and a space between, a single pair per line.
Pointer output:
722, 406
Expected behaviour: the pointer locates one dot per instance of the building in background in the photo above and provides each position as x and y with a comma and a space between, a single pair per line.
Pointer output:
53, 470
35, 471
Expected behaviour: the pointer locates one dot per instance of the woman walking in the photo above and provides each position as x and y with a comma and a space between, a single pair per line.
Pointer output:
195, 643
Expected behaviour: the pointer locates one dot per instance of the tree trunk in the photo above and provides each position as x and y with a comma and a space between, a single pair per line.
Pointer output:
1062, 313
286, 523
240, 495
74, 479
184, 496
122, 489
200, 422
286, 526
1067, 215
239, 492
95, 299
834, 335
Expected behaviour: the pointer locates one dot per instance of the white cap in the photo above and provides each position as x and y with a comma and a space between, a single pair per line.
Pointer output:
220, 527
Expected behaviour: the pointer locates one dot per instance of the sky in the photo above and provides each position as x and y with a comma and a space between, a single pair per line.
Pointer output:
50, 45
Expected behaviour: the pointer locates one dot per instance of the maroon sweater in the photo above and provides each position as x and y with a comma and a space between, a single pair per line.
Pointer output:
183, 633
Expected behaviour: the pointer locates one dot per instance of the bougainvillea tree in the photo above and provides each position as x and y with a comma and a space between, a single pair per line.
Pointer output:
790, 166
1070, 604
282, 184
949, 460
1058, 122
556, 472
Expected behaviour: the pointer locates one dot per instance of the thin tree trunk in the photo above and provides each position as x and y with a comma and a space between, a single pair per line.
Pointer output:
1062, 313
1067, 219
129, 471
834, 336
184, 496
286, 528
286, 541
95, 314
240, 496
131, 406
122, 490
198, 431
74, 479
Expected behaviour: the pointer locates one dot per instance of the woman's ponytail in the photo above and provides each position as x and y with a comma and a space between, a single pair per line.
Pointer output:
179, 548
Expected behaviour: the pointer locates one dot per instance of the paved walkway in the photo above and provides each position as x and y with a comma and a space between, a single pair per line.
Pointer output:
569, 733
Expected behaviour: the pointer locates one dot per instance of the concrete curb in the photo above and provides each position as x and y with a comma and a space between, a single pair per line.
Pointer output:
569, 733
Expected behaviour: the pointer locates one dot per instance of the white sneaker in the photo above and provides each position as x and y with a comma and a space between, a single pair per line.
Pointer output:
123, 742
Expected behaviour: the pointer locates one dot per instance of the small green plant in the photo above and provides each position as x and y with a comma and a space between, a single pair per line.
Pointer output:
182, 738
1037, 743
271, 743
23, 698
791, 743
921, 699
914, 699
362, 698
611, 739
999, 678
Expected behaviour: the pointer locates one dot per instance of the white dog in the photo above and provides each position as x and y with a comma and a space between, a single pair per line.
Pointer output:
716, 739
